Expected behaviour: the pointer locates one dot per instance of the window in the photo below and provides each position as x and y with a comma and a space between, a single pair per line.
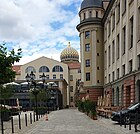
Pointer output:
61, 76
113, 76
123, 70
98, 81
113, 21
123, 40
96, 14
109, 77
71, 99
57, 69
139, 61
139, 24
44, 69
113, 52
109, 28
88, 63
30, 69
90, 14
118, 13
71, 88
105, 60
88, 76
118, 46
84, 16
98, 68
98, 54
54, 76
123, 6
130, 66
71, 77
87, 47
131, 32
87, 34
109, 56
79, 70
117, 96
118, 73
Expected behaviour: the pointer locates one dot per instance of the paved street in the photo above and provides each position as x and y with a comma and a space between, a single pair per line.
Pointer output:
71, 121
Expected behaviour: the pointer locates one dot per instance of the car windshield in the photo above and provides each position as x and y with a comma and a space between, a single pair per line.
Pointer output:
133, 106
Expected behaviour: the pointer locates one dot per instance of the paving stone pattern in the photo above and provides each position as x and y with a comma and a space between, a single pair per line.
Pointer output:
71, 121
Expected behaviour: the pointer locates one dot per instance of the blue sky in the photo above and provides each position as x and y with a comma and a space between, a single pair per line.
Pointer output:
39, 27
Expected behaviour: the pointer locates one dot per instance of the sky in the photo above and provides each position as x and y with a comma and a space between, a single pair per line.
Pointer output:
39, 27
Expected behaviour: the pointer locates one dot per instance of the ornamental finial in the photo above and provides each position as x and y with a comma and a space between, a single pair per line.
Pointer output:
68, 44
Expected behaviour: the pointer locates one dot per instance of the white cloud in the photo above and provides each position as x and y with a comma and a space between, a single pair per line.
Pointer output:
28, 24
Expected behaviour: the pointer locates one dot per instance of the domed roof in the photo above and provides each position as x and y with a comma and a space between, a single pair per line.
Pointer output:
69, 54
91, 3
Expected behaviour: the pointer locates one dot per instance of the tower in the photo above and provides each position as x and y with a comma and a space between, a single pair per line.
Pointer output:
91, 48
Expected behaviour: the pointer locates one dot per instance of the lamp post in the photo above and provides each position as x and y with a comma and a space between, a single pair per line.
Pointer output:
34, 90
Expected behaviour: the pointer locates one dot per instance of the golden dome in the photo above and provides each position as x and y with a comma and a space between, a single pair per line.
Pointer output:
69, 54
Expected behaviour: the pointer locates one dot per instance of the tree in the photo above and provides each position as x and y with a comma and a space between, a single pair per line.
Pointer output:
7, 59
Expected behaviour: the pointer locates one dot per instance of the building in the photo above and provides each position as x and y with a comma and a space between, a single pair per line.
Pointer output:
64, 74
110, 50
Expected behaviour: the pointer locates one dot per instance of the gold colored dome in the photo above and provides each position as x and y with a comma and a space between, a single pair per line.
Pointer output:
69, 54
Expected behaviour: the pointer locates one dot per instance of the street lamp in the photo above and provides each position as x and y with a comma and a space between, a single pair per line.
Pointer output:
34, 90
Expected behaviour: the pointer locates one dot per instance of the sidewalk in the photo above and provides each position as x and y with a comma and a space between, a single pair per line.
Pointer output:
71, 121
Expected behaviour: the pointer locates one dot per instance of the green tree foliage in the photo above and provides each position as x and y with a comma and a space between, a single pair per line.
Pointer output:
7, 59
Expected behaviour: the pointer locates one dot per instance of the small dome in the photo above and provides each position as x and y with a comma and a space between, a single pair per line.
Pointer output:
69, 54
91, 3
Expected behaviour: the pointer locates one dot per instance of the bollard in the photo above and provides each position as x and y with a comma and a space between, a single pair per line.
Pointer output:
34, 116
26, 120
30, 118
120, 118
12, 124
19, 121
2, 128
135, 125
130, 121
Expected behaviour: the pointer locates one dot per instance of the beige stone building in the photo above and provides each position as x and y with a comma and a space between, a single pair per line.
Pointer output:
110, 49
64, 73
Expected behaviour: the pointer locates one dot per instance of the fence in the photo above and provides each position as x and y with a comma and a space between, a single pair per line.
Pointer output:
18, 122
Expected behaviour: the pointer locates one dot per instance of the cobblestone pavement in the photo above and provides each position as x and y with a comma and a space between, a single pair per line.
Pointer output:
71, 121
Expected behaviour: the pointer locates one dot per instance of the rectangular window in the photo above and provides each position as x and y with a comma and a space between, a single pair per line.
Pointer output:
113, 52
130, 66
118, 13
131, 32
87, 47
118, 73
113, 76
123, 70
71, 77
139, 24
109, 77
123, 40
61, 76
118, 46
54, 76
123, 6
139, 62
109, 28
88, 63
79, 70
71, 88
113, 21
105, 60
88, 76
87, 34
109, 56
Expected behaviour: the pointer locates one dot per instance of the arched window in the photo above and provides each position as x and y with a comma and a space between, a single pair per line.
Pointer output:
113, 96
30, 69
57, 69
44, 69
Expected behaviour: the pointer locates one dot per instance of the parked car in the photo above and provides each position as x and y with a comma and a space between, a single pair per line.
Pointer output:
134, 108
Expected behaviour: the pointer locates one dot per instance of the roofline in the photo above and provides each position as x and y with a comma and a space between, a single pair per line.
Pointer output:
109, 7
